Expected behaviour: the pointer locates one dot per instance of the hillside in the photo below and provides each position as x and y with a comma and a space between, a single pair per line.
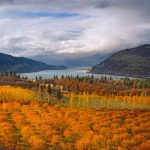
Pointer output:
24, 65
134, 62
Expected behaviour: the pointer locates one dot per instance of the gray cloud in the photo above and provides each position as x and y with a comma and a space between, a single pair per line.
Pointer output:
103, 4
2, 2
100, 26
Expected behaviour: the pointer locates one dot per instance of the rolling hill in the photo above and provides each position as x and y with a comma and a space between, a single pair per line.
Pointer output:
24, 65
134, 62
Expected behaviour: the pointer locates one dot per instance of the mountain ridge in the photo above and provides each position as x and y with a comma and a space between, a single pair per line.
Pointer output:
24, 65
133, 62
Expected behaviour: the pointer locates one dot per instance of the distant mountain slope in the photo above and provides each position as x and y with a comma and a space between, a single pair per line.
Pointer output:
73, 60
134, 62
24, 65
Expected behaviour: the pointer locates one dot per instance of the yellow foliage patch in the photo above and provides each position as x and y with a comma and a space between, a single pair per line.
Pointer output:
10, 93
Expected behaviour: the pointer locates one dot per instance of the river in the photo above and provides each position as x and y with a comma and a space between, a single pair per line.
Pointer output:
82, 71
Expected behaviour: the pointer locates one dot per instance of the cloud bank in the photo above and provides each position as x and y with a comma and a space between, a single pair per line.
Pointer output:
43, 27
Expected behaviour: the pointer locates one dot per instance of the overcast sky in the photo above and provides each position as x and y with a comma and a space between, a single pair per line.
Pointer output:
39, 27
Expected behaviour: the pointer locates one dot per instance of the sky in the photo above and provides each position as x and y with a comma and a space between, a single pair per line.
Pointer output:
33, 28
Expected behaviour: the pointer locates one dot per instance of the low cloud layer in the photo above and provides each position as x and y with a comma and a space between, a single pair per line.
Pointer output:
43, 27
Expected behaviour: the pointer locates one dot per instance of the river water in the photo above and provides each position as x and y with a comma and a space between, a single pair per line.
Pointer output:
47, 74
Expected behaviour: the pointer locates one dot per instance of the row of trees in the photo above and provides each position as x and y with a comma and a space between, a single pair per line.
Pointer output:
9, 73
128, 82
105, 85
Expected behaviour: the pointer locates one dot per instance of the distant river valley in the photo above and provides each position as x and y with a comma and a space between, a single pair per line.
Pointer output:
81, 71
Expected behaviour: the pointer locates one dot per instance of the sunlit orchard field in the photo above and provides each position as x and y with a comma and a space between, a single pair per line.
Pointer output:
116, 102
86, 122
39, 126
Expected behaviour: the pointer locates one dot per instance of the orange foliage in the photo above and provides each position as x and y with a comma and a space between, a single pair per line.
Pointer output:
37, 143
40, 126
